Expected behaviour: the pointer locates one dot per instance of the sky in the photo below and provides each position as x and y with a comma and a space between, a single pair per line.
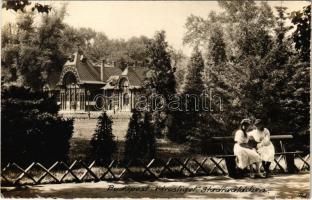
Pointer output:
125, 19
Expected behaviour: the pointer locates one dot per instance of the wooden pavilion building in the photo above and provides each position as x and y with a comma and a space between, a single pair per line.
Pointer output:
85, 87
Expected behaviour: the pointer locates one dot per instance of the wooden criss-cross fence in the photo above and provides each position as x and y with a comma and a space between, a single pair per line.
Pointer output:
79, 171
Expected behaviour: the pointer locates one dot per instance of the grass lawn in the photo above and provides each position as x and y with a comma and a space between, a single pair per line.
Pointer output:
84, 129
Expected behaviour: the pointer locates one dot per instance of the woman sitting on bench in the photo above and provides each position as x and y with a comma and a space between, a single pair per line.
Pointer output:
264, 147
245, 154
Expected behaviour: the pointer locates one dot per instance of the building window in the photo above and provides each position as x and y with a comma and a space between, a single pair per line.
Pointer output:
126, 99
124, 86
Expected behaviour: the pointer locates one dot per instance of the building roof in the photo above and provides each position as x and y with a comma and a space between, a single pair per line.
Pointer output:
108, 72
136, 75
88, 73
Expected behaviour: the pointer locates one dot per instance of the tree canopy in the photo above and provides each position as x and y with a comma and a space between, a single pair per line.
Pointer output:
252, 63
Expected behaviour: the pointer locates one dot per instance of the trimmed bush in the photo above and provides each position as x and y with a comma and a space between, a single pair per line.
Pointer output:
102, 142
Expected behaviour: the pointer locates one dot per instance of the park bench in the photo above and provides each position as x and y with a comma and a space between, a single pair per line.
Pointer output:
280, 143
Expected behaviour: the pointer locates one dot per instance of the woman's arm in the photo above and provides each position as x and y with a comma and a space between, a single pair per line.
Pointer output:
266, 140
241, 139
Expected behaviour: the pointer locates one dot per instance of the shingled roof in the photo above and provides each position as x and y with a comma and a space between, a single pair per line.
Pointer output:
108, 72
136, 75
89, 73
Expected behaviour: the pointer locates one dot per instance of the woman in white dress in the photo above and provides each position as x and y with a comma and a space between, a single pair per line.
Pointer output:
245, 155
264, 147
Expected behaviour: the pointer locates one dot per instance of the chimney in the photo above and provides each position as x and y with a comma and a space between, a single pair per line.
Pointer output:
102, 69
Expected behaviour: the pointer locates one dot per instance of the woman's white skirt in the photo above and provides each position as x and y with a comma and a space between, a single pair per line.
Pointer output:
245, 156
267, 153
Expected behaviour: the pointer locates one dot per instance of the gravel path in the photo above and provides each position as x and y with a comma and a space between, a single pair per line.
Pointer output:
280, 186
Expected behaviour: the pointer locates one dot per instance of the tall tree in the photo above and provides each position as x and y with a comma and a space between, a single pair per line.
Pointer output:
34, 51
160, 80
275, 92
137, 50
186, 123
248, 26
140, 140
266, 78
162, 74
194, 86
295, 96
216, 47
194, 78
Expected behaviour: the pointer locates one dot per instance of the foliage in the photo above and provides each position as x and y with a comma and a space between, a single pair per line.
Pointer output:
216, 46
102, 142
160, 79
121, 52
40, 135
20, 5
297, 98
140, 140
179, 63
40, 50
246, 26
275, 88
30, 51
301, 36
187, 121
97, 47
194, 78
161, 76
256, 72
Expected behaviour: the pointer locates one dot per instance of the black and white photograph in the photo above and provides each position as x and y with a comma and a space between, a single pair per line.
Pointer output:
155, 99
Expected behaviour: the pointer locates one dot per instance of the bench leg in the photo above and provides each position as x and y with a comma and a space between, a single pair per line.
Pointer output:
231, 167
290, 162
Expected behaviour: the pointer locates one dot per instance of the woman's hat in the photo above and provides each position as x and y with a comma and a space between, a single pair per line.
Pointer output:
245, 121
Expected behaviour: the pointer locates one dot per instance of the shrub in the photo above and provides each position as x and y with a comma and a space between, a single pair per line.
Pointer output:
31, 129
102, 142
140, 138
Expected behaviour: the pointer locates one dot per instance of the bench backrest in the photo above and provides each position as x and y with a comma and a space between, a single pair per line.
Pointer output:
226, 143
231, 138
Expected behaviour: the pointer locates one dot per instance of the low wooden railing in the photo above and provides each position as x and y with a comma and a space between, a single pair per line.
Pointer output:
79, 171
281, 144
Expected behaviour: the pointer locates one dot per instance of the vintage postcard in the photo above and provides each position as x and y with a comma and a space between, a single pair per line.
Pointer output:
155, 99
